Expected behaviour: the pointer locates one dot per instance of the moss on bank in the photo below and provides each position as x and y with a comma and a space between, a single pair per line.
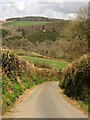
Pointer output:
75, 80
19, 75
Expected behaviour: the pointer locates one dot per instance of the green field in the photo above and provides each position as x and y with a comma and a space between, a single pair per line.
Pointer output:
53, 63
23, 23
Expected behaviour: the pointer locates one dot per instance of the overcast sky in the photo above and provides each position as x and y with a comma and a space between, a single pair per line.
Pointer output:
62, 9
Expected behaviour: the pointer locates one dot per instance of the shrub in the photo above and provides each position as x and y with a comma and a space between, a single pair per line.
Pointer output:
41, 36
42, 65
75, 79
4, 32
38, 80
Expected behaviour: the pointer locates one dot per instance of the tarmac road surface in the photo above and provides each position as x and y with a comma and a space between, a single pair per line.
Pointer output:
44, 101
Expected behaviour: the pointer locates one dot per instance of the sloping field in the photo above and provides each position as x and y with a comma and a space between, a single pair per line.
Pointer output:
53, 63
23, 23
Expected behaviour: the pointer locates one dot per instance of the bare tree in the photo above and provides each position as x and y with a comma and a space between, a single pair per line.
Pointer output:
83, 13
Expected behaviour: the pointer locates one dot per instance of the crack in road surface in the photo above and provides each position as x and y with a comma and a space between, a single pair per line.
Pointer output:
45, 102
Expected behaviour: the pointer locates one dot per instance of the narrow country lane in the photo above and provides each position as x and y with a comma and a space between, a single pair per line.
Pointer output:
45, 102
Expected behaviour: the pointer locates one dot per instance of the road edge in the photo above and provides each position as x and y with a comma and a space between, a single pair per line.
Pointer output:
72, 102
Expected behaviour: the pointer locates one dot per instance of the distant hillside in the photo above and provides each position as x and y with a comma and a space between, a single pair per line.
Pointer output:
23, 23
62, 39
31, 18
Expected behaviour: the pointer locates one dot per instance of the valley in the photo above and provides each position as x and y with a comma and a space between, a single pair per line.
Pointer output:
38, 50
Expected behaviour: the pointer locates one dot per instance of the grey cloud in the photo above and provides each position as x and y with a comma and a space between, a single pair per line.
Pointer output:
39, 8
59, 10
67, 7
